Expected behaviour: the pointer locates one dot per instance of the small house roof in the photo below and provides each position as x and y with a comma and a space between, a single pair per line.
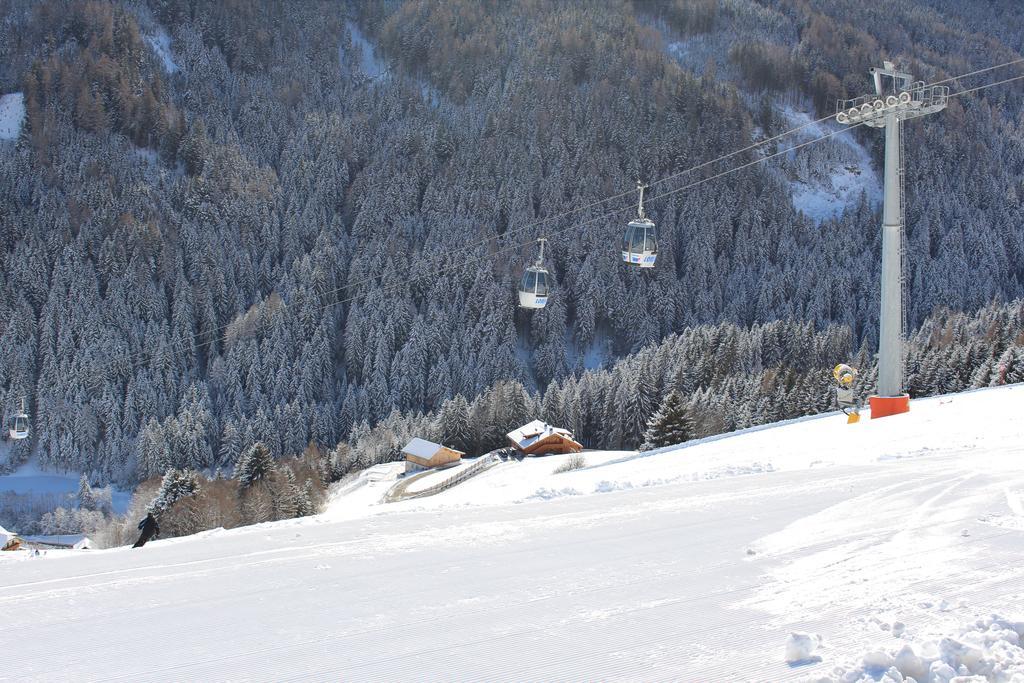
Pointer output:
535, 431
421, 448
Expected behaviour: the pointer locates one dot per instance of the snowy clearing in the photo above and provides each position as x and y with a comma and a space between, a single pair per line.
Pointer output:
160, 41
829, 178
365, 53
12, 115
32, 479
851, 550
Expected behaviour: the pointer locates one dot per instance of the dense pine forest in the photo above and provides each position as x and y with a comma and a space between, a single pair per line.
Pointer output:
299, 225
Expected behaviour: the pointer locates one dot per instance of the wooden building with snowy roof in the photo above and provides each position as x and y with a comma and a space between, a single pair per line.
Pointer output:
421, 454
540, 438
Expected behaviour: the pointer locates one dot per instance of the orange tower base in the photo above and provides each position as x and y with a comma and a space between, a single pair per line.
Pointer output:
884, 406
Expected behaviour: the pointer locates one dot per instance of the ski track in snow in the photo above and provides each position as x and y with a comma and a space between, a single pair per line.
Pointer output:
875, 543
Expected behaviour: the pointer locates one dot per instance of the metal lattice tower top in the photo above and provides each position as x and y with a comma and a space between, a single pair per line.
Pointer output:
895, 93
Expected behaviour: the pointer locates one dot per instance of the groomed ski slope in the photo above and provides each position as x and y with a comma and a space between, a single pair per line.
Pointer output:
880, 544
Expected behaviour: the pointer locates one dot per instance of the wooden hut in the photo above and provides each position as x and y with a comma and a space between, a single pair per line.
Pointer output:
540, 438
421, 454
9, 540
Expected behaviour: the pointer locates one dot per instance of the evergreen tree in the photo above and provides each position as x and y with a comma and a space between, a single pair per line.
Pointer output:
286, 494
254, 465
86, 499
671, 424
453, 425
176, 484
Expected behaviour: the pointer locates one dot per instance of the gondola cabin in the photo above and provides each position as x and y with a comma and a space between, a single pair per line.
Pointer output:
19, 427
533, 288
640, 243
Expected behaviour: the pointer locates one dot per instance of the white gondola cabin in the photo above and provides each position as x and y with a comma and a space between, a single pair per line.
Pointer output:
640, 243
535, 286
19, 425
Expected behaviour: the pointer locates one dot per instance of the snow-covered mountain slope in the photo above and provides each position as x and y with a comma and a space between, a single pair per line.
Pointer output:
863, 539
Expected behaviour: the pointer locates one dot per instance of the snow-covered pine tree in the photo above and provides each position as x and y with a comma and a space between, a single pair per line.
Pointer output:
1011, 365
253, 465
671, 424
176, 484
304, 503
339, 462
453, 425
102, 500
86, 500
285, 493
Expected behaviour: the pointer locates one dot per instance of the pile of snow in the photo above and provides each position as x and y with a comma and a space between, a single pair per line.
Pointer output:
800, 648
12, 115
989, 649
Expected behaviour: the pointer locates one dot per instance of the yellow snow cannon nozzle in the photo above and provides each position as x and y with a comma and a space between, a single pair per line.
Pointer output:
844, 375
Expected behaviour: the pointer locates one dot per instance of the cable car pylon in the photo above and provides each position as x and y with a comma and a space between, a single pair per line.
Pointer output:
896, 99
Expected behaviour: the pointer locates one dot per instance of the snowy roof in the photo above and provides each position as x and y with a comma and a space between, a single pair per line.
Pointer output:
5, 536
421, 448
535, 431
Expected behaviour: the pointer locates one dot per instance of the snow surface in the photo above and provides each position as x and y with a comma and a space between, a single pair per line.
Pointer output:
160, 41
434, 477
675, 570
31, 478
988, 649
800, 648
12, 115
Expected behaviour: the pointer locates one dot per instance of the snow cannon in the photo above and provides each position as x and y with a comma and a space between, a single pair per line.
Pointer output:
845, 376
